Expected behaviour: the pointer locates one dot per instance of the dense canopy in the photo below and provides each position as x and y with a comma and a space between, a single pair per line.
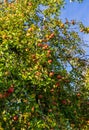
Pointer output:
42, 69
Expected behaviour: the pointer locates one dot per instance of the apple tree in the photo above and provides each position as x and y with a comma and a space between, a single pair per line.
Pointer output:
41, 69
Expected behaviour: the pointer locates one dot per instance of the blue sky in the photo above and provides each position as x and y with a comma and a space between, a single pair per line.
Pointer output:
79, 12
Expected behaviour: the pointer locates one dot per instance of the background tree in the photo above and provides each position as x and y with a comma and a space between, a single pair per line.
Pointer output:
41, 69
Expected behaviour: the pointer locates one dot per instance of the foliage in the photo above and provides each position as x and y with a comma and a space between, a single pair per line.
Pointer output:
87, 78
41, 70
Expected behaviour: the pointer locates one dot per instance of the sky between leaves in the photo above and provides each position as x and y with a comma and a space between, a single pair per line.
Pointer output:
79, 12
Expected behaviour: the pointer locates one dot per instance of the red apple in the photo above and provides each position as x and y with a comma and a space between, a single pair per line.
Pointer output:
33, 56
28, 124
59, 77
33, 109
30, 29
87, 103
1, 95
48, 55
57, 84
6, 94
49, 110
40, 96
39, 44
54, 103
88, 122
45, 46
78, 94
51, 74
49, 51
64, 102
52, 90
10, 90
30, 4
15, 118
38, 73
50, 61
51, 35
